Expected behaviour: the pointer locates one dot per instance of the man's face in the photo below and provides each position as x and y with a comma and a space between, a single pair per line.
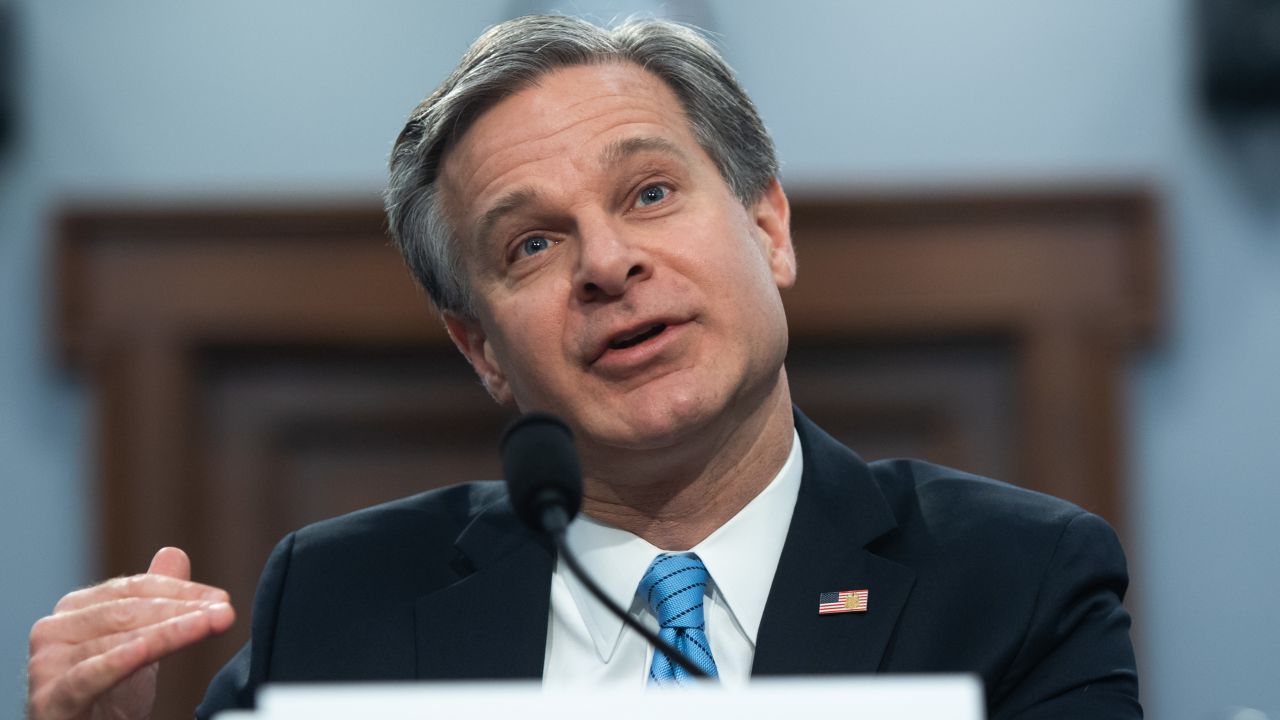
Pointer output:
619, 282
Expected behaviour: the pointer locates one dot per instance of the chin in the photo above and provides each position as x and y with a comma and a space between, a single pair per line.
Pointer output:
659, 423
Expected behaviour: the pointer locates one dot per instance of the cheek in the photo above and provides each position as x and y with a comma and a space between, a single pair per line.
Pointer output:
743, 269
530, 349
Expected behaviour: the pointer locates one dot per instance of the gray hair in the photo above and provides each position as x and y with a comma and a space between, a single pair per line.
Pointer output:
510, 57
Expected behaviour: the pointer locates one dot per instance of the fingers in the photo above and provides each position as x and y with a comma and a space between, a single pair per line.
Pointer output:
172, 562
169, 576
110, 617
75, 690
164, 637
161, 638
140, 586
99, 637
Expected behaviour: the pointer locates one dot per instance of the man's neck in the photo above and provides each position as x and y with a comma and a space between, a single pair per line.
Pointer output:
676, 498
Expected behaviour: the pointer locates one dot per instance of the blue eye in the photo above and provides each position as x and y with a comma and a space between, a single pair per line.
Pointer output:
652, 195
534, 244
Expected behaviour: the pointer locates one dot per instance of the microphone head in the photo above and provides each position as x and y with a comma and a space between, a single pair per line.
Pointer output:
541, 467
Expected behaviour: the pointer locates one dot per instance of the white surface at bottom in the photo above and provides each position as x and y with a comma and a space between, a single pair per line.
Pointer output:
936, 697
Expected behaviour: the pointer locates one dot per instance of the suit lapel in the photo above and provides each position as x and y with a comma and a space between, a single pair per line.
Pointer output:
492, 623
839, 511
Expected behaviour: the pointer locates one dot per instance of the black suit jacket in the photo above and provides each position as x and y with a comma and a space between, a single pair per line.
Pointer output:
965, 575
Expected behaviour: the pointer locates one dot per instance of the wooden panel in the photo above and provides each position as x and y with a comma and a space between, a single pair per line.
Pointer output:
255, 370
949, 403
294, 437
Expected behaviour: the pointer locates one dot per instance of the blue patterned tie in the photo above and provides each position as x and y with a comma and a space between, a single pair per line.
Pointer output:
673, 586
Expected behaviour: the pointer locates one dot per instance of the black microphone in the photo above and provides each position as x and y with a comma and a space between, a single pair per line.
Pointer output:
544, 481
542, 472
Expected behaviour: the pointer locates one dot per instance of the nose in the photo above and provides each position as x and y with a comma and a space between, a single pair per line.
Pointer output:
610, 260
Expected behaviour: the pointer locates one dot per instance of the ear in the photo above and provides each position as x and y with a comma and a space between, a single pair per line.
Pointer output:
773, 217
470, 339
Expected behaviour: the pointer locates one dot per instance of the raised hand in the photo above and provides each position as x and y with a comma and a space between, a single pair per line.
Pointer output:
97, 655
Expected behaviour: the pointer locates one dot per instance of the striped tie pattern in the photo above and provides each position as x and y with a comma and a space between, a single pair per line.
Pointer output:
674, 586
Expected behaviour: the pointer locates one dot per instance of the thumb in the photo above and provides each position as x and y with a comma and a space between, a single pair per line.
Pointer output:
172, 562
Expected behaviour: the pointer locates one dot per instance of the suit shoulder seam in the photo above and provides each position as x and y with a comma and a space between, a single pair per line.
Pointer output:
287, 545
1040, 585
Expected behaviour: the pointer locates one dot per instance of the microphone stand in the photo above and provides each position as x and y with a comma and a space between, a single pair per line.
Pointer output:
556, 521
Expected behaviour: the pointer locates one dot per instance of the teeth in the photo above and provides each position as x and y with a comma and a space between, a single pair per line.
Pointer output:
637, 338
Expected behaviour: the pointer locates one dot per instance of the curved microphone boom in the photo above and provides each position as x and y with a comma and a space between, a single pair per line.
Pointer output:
545, 485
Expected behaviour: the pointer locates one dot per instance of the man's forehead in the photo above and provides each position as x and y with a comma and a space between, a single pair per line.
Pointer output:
532, 124
567, 95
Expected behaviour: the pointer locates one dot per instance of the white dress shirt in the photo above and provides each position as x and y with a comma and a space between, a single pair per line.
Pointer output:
588, 646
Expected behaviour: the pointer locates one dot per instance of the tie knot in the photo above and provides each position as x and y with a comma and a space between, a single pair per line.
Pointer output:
674, 586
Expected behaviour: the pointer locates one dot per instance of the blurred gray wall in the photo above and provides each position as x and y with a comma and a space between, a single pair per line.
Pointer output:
253, 100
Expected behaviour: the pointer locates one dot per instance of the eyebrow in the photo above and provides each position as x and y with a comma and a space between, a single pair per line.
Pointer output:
506, 205
619, 150
613, 153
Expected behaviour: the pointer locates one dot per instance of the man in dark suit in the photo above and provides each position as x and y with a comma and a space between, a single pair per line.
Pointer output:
963, 575
598, 218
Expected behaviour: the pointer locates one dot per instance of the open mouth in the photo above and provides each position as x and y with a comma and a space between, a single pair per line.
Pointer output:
638, 338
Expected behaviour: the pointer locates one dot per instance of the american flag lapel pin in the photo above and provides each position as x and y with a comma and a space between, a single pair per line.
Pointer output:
844, 601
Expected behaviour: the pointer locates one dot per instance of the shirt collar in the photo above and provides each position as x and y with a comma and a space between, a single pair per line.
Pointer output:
741, 557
